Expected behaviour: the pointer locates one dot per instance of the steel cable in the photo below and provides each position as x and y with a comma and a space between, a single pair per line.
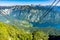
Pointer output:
49, 10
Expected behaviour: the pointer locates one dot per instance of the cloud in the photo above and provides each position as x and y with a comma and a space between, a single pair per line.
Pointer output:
24, 0
8, 3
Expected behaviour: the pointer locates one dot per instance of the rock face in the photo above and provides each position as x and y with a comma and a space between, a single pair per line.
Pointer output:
34, 14
31, 13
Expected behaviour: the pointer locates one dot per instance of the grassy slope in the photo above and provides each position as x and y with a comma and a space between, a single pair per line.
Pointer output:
10, 32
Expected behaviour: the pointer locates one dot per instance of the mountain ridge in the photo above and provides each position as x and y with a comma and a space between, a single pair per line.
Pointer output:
31, 14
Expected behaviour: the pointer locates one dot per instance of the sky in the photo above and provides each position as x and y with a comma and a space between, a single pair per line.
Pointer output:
25, 2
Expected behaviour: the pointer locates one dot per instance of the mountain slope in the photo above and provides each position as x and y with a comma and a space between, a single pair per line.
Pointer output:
31, 13
10, 32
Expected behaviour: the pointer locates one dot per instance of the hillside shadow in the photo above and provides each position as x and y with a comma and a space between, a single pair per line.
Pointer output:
52, 37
